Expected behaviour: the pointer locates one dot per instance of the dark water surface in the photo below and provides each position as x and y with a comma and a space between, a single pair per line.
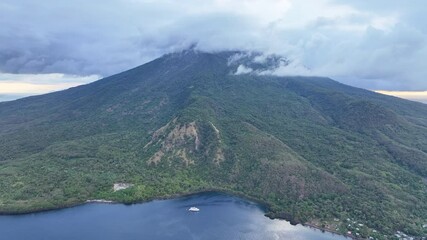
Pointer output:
221, 217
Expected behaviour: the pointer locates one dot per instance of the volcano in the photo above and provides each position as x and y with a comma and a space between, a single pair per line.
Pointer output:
313, 150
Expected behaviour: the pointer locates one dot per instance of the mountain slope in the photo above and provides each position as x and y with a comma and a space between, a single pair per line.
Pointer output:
314, 150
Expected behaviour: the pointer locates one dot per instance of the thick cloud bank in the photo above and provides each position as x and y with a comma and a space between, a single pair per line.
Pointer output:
372, 44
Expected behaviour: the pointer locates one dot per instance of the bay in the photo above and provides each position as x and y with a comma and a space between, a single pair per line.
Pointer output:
221, 216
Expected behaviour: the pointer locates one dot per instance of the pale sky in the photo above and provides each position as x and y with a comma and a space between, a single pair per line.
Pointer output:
53, 44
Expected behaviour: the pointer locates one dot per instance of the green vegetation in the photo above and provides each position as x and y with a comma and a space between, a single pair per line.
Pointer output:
314, 150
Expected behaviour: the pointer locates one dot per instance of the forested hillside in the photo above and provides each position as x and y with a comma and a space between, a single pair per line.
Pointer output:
314, 150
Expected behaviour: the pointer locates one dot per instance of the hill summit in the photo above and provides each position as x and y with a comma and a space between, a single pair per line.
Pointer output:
312, 149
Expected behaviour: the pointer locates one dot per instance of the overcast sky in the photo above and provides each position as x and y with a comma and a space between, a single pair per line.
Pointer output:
54, 44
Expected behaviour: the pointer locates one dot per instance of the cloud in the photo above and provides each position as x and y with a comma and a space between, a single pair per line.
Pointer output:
420, 96
14, 86
31, 88
242, 69
373, 58
46, 78
371, 44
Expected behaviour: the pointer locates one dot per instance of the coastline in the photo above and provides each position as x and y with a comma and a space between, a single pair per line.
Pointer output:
265, 206
99, 201
326, 230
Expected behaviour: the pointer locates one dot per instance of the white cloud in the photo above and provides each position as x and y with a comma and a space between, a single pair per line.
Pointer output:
420, 96
372, 44
241, 69
46, 78
13, 86
294, 68
31, 88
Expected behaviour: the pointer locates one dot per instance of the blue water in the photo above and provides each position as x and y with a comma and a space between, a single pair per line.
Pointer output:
221, 217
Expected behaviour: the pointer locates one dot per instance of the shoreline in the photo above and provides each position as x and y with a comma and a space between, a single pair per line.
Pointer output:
326, 230
264, 206
99, 201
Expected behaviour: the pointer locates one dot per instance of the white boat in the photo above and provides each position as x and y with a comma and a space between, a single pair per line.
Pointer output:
193, 209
